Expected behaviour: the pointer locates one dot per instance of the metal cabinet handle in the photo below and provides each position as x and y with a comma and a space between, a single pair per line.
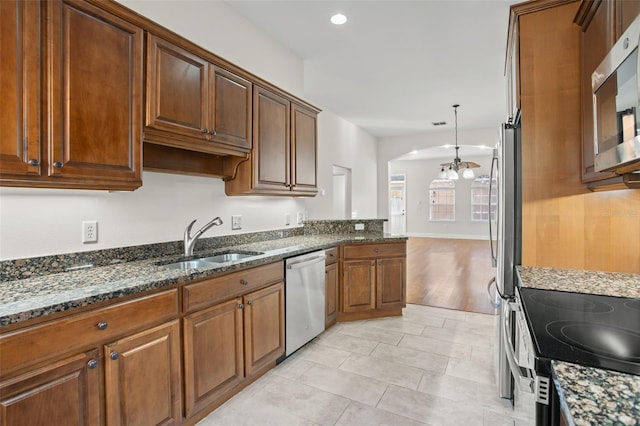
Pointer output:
213, 132
34, 162
206, 131
249, 303
102, 325
240, 306
114, 355
57, 165
244, 282
92, 364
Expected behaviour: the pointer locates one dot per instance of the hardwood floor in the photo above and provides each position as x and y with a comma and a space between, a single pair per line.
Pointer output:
449, 273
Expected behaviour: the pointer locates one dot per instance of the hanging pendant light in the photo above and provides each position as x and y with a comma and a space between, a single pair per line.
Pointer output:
468, 173
457, 163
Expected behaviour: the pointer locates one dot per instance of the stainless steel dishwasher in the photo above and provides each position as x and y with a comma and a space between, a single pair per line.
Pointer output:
305, 299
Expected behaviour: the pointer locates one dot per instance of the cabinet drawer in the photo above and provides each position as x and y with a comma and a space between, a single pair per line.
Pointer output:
332, 255
25, 347
208, 292
366, 251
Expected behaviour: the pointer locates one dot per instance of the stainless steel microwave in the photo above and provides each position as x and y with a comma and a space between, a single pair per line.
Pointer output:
616, 105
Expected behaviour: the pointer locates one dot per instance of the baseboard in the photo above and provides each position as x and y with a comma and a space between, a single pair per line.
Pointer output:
450, 236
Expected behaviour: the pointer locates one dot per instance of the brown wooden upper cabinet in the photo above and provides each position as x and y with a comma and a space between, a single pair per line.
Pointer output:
284, 156
602, 23
193, 104
83, 76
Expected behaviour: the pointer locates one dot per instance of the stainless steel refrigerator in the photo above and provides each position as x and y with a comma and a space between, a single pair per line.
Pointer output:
506, 242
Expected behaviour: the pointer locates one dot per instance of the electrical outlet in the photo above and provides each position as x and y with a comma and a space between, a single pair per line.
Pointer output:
236, 221
90, 231
359, 226
287, 219
299, 218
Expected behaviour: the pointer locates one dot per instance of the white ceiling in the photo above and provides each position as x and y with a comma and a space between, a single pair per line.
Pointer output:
396, 66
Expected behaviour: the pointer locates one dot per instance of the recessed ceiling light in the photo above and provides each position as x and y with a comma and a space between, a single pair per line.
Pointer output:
338, 19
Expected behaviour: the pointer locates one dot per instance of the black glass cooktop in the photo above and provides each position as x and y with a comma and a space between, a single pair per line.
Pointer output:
599, 331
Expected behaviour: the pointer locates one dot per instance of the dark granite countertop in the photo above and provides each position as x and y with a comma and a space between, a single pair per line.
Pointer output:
44, 294
591, 396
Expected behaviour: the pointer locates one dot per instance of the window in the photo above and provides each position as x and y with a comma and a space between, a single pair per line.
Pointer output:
480, 199
442, 200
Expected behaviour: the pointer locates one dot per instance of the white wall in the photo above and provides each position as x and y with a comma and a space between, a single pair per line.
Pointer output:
35, 222
393, 147
419, 174
346, 145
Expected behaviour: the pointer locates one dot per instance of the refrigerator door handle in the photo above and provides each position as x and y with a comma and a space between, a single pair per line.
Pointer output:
494, 258
496, 303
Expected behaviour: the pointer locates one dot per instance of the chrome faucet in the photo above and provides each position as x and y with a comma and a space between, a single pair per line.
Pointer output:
190, 241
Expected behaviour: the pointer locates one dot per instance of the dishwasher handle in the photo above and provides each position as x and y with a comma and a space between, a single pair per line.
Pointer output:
307, 262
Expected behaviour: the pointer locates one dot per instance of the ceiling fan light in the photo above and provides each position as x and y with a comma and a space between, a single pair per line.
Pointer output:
442, 174
468, 173
451, 174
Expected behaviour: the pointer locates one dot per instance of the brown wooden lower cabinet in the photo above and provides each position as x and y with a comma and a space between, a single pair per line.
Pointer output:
64, 392
213, 354
373, 280
231, 343
358, 285
142, 378
390, 282
263, 328
331, 294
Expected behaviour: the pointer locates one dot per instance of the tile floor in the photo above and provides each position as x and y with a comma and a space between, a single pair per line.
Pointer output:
431, 366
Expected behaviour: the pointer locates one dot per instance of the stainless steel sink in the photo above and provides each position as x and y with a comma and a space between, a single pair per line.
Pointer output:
190, 264
228, 257
211, 261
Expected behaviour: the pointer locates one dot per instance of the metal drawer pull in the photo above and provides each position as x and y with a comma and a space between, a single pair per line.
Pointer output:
244, 282
102, 325
92, 364
114, 355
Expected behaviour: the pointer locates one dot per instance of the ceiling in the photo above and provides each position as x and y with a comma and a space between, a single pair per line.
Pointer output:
396, 66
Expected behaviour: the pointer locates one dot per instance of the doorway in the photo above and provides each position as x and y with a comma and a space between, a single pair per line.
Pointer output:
341, 192
398, 204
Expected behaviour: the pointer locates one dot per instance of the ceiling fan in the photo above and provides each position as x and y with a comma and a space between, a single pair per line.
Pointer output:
453, 167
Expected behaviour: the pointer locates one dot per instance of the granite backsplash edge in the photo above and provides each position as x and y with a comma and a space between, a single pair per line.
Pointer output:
16, 269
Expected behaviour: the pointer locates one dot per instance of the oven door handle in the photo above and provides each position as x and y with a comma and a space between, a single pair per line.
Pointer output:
526, 382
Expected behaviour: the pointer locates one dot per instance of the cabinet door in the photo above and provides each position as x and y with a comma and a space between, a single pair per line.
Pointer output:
62, 393
596, 40
331, 294
303, 149
358, 285
142, 378
390, 283
213, 354
263, 327
20, 87
94, 92
231, 104
271, 142
177, 89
